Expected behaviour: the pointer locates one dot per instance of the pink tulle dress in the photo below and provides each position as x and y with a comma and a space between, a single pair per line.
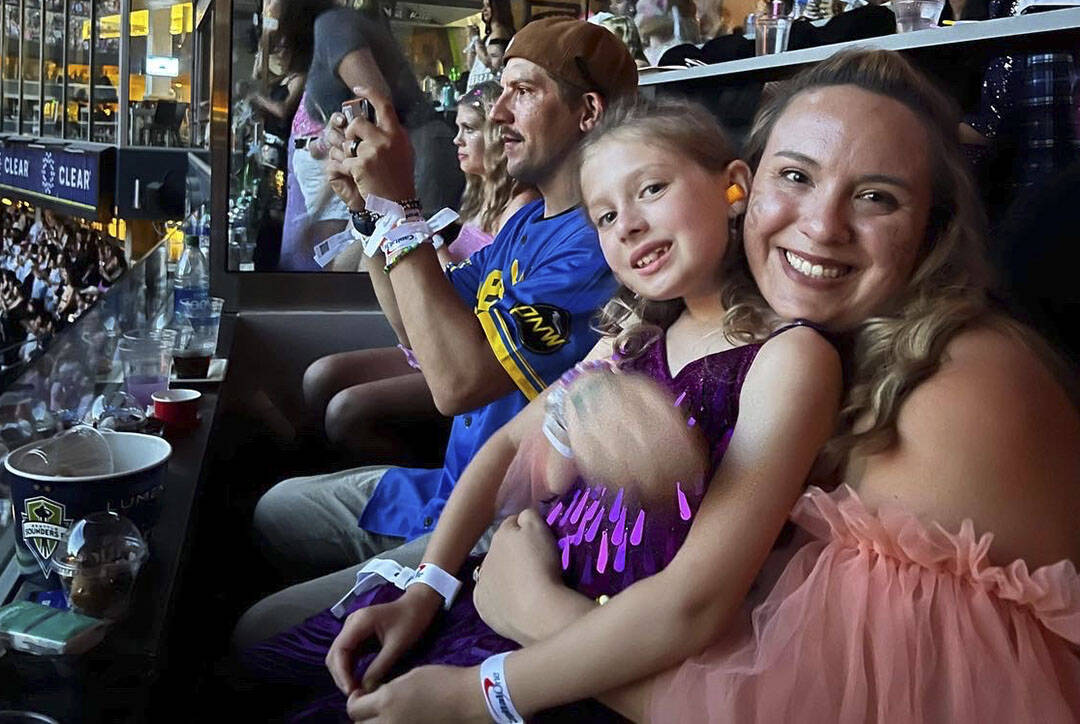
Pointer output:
882, 618
470, 240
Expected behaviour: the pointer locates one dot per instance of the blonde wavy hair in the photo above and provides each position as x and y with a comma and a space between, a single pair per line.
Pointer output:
890, 354
690, 132
486, 197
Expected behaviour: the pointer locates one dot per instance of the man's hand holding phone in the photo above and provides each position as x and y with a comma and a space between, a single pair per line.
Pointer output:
374, 148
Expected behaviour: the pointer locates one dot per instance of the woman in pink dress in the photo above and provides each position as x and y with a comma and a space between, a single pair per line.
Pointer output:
934, 577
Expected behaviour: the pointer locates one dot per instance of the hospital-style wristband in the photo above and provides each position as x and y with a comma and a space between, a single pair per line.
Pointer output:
401, 229
496, 692
378, 571
436, 578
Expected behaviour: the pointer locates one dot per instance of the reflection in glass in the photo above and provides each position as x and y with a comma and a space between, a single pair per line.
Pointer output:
161, 68
12, 39
53, 90
31, 68
77, 76
105, 72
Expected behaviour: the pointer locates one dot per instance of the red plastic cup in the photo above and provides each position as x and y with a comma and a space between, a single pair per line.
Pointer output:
178, 409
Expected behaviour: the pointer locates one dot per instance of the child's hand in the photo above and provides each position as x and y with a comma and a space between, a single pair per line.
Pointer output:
427, 693
519, 576
625, 431
398, 625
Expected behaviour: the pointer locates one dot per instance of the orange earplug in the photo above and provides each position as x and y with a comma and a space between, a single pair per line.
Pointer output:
735, 193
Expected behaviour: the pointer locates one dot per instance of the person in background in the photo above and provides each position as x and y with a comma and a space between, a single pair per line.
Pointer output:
1025, 128
310, 213
498, 21
626, 30
491, 195
664, 24
278, 105
345, 48
496, 48
375, 419
489, 334
714, 19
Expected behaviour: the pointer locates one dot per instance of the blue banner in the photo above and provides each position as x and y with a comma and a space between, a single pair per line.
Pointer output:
52, 173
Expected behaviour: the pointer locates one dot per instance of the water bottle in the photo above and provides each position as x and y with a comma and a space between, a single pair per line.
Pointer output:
204, 233
192, 273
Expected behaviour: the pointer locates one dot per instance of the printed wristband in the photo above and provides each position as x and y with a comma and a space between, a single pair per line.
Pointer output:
436, 578
392, 217
383, 207
496, 692
374, 573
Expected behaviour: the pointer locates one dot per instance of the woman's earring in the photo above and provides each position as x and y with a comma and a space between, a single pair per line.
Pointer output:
735, 193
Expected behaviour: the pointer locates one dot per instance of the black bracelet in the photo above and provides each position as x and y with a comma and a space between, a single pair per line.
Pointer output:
364, 221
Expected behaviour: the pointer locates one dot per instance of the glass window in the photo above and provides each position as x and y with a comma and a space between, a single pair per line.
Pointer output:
161, 70
53, 95
77, 76
31, 67
12, 37
269, 225
105, 74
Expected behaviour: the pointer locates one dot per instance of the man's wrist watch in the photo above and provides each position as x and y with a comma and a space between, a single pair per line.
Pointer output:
364, 221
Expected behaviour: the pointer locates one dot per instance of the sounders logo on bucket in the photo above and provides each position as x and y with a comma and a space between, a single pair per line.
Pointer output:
45, 524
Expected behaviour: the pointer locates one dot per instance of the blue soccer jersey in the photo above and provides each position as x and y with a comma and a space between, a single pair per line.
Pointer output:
535, 290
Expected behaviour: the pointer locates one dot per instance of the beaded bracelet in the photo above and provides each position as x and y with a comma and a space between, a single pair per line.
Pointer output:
398, 255
410, 205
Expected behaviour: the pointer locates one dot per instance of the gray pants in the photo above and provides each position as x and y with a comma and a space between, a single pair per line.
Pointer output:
307, 527
309, 524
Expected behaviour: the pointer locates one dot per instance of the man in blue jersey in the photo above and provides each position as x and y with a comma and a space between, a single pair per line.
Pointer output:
488, 334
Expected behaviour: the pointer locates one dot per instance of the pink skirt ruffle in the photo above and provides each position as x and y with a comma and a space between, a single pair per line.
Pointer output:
881, 618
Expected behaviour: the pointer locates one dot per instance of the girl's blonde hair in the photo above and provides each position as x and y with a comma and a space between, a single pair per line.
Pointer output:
486, 197
891, 353
690, 132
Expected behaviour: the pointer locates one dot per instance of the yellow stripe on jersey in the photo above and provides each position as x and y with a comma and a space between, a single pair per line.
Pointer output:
522, 360
495, 340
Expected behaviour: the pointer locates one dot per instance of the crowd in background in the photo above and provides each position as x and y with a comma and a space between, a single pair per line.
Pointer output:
52, 270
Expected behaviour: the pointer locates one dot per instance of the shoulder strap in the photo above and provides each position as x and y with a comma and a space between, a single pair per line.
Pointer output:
804, 323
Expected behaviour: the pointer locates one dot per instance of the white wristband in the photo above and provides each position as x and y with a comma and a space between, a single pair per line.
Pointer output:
496, 692
442, 582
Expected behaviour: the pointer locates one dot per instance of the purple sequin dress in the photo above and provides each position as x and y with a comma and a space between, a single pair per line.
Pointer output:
605, 547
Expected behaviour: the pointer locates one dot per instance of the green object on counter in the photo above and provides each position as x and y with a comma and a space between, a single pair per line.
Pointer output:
38, 629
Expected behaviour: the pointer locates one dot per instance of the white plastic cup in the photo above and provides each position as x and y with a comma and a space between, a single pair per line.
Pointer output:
917, 14
771, 35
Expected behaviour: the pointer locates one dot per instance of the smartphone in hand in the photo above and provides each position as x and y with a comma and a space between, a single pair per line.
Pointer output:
358, 108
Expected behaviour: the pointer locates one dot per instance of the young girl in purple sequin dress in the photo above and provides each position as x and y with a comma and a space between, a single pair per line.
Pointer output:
664, 192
